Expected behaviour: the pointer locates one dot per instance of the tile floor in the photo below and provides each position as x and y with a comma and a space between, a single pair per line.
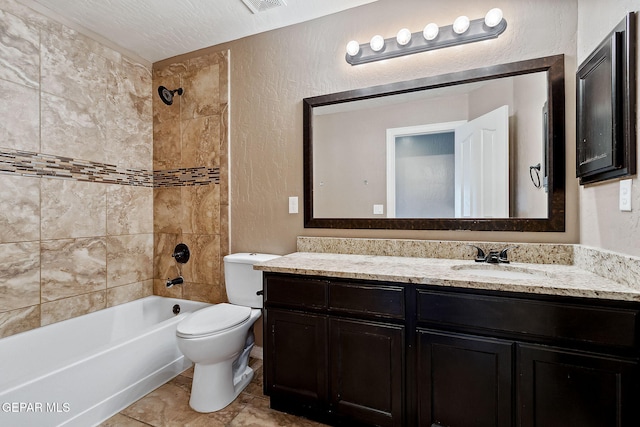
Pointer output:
168, 406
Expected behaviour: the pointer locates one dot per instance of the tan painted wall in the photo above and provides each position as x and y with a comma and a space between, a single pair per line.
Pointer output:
602, 223
272, 72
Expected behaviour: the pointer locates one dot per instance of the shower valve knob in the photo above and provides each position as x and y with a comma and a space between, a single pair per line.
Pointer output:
181, 253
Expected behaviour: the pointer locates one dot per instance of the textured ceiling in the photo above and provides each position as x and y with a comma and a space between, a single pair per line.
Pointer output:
160, 29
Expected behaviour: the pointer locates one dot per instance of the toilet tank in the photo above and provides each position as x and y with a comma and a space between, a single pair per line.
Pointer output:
242, 281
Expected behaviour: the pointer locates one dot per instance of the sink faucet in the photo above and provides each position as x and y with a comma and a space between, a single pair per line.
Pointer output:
494, 256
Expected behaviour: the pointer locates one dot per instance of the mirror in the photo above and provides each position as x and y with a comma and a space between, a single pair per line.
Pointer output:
475, 150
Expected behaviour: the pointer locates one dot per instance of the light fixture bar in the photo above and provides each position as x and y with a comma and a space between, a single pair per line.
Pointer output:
446, 37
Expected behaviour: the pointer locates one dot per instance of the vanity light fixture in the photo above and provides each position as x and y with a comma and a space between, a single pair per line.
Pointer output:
431, 37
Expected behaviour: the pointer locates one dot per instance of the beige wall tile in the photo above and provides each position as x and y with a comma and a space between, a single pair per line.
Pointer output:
19, 275
129, 210
204, 264
72, 267
72, 209
20, 112
73, 129
201, 91
19, 51
123, 294
167, 210
70, 68
129, 115
20, 320
201, 142
164, 265
129, 259
20, 215
68, 308
201, 209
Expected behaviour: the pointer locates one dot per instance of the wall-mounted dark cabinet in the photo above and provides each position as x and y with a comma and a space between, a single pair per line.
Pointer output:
351, 352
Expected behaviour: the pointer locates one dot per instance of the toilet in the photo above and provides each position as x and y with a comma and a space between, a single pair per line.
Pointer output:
219, 338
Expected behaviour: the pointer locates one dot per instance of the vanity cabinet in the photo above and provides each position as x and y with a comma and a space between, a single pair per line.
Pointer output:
361, 352
335, 350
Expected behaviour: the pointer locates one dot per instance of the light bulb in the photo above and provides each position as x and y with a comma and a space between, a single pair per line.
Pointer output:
377, 43
493, 17
353, 48
431, 31
403, 37
461, 24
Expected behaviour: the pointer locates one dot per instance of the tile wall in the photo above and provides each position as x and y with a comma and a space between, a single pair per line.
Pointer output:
76, 173
190, 162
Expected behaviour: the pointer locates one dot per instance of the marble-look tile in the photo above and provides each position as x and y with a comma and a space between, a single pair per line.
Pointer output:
73, 129
165, 406
129, 115
258, 413
201, 91
72, 267
72, 209
164, 265
213, 293
167, 210
129, 259
19, 219
167, 137
19, 275
160, 289
204, 265
67, 308
201, 213
70, 67
25, 12
20, 320
129, 210
19, 51
201, 142
126, 293
20, 112
120, 420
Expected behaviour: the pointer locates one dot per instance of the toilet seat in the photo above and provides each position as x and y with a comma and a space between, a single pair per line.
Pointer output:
213, 320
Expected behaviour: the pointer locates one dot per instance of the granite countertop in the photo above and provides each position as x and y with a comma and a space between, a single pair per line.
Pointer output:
548, 279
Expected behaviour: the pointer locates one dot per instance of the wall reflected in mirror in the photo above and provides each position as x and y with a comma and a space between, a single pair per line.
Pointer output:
461, 151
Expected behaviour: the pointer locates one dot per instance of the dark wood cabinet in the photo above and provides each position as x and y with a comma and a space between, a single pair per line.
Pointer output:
367, 362
464, 380
560, 387
359, 352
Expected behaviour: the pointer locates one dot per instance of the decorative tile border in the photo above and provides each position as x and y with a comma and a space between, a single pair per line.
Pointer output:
27, 163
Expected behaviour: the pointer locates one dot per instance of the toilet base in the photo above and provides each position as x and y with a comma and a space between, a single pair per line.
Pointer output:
214, 386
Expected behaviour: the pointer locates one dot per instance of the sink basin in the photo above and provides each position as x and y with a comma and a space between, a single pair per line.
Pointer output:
500, 271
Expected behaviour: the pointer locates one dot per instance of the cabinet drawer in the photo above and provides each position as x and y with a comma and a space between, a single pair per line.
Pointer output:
376, 300
599, 325
295, 292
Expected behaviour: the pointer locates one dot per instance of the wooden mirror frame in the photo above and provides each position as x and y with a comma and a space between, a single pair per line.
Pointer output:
555, 221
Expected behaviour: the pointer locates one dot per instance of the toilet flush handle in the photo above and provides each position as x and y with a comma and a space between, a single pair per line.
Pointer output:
260, 292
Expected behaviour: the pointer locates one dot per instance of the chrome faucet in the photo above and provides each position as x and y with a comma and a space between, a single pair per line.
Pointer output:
494, 256
177, 281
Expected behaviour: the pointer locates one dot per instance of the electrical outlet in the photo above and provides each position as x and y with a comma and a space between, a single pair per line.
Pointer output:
625, 195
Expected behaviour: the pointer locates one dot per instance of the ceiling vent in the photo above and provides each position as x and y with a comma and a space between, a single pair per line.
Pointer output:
261, 5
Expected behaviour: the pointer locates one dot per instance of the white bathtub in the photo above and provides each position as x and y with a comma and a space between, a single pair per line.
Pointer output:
81, 371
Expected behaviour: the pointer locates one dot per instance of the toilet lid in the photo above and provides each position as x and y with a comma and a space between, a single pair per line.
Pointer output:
216, 318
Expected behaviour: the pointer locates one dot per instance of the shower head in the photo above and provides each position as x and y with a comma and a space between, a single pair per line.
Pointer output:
167, 95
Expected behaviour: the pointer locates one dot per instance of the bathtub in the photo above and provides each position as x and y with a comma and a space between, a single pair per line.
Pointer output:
81, 371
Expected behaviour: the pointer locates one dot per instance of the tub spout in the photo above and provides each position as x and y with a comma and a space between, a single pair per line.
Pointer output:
177, 281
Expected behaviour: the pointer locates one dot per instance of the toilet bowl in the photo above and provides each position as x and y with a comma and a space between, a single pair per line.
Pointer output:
219, 338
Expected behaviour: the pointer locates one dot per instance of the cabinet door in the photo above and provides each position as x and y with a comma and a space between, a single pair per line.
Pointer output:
367, 377
463, 380
296, 360
564, 388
